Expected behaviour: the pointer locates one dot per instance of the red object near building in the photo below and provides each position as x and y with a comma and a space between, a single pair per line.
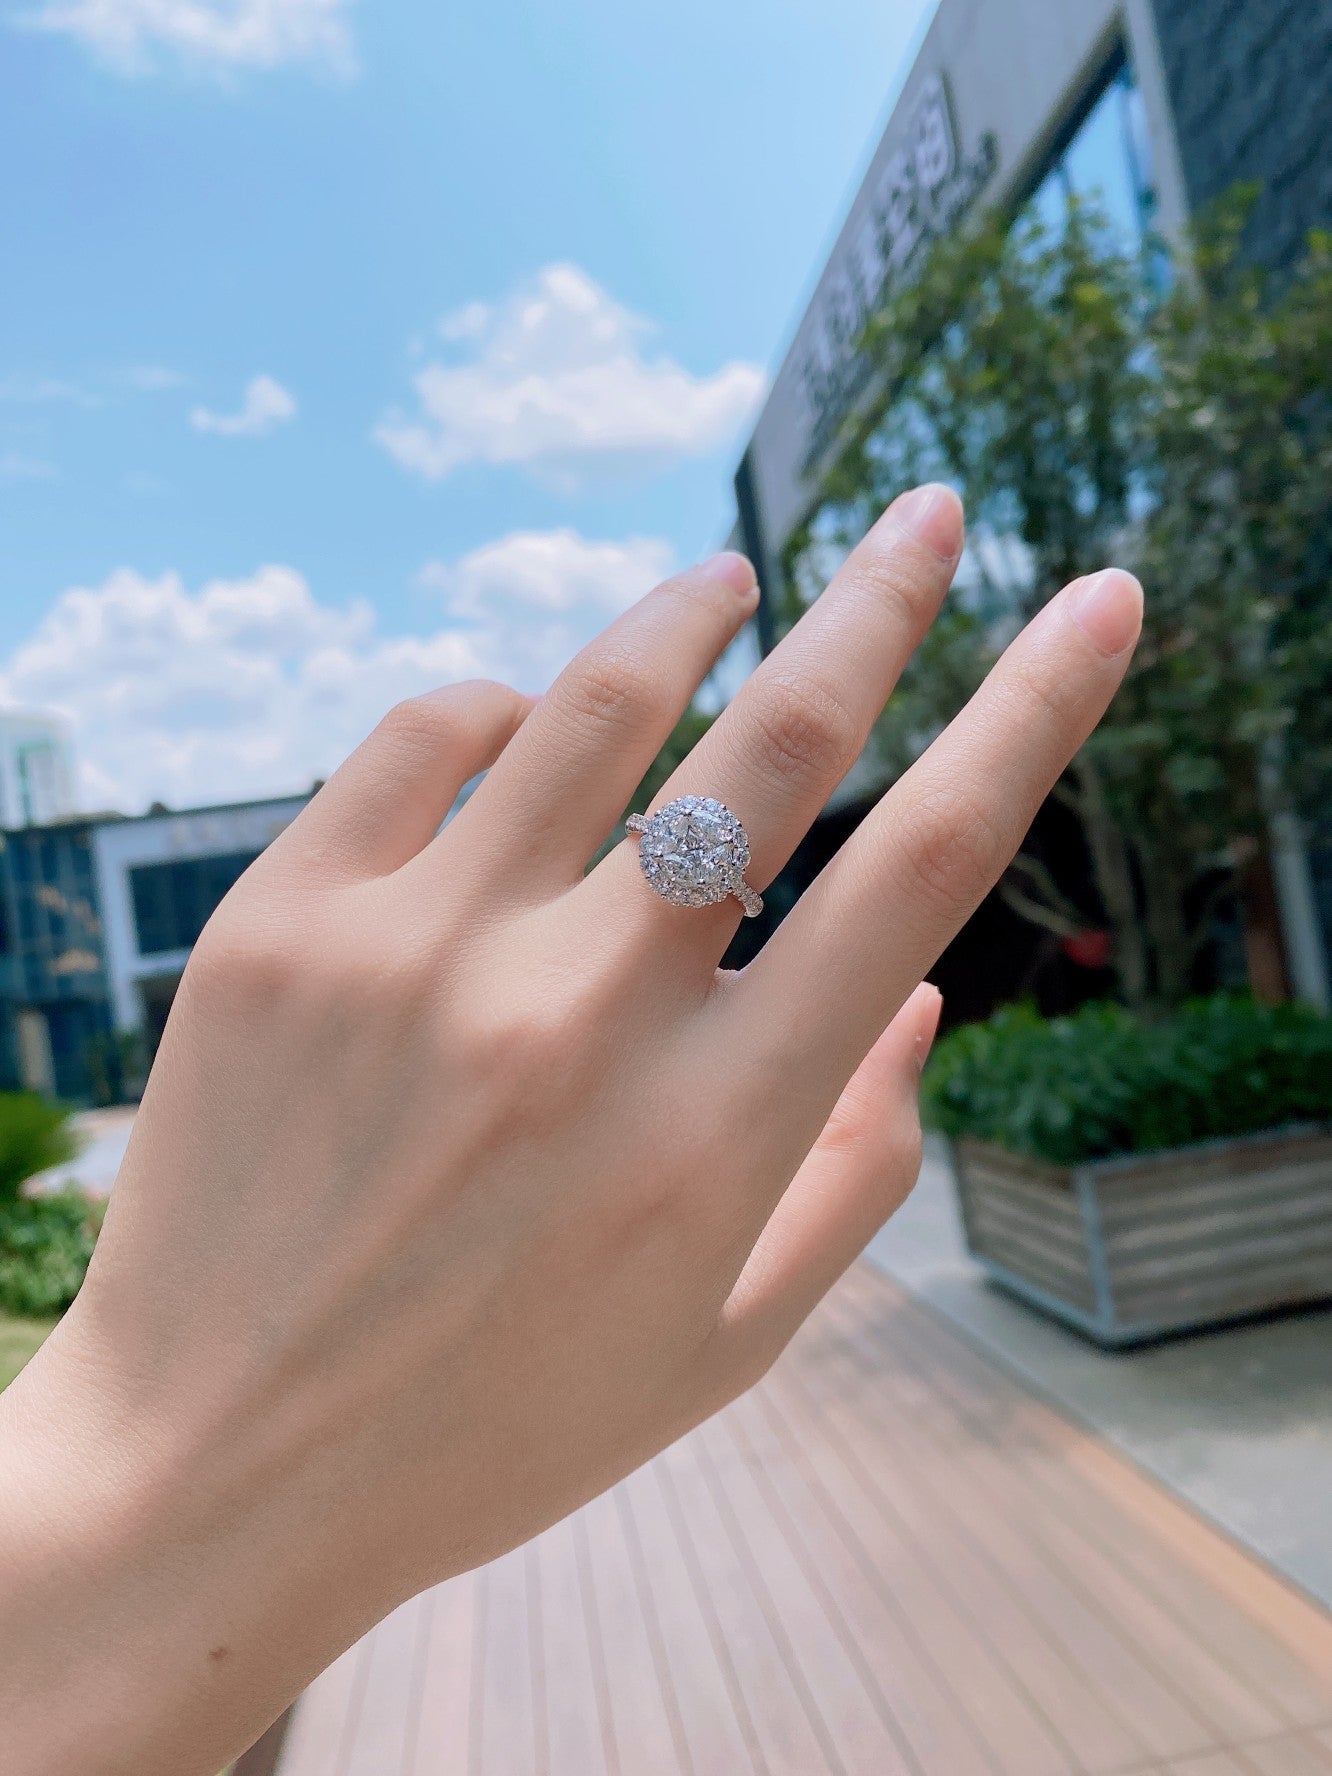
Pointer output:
1087, 949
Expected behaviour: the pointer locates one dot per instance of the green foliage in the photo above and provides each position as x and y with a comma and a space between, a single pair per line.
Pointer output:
34, 1135
20, 1339
45, 1245
45, 1241
1095, 402
1105, 1081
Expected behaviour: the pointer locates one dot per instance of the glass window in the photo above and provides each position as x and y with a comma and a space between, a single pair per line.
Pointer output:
30, 925
1107, 159
174, 901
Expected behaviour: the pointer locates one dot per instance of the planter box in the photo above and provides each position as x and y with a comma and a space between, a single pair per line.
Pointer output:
1137, 1247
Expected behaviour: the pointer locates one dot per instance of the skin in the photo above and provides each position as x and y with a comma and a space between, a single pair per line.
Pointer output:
465, 1181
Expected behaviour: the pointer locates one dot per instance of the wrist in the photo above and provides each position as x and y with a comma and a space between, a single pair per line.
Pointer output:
152, 1603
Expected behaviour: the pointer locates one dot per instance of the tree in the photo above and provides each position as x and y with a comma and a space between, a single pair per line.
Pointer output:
1095, 401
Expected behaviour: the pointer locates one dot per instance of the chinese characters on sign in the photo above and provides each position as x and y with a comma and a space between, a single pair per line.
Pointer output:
919, 194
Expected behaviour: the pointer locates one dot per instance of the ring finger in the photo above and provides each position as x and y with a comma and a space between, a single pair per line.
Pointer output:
563, 783
797, 726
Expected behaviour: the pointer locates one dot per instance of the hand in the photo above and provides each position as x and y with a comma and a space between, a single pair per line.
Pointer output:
464, 1180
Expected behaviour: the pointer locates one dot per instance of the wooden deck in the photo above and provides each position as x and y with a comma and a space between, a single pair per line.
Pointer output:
888, 1560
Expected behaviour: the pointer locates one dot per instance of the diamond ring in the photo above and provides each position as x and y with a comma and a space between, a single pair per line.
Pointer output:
694, 852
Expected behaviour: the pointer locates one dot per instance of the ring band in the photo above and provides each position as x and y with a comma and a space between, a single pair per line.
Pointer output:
694, 852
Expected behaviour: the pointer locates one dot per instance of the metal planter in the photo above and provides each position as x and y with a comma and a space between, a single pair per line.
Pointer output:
1141, 1246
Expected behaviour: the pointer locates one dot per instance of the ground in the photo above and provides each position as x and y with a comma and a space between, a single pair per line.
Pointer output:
1237, 1422
892, 1558
18, 1340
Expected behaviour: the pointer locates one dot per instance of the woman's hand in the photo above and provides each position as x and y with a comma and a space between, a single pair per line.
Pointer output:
464, 1180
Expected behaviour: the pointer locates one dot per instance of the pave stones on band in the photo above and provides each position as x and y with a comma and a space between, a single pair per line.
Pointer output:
694, 852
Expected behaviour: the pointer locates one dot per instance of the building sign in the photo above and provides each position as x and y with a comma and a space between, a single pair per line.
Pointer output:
225, 829
918, 193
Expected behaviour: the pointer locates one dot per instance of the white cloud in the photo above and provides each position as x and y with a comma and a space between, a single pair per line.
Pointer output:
558, 377
529, 601
35, 391
468, 322
14, 466
150, 379
40, 391
264, 405
549, 572
253, 687
211, 34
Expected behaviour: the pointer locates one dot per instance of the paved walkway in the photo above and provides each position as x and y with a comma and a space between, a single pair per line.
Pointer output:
103, 1137
1237, 1422
891, 1559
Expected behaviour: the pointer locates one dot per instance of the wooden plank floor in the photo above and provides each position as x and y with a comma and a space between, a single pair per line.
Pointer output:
890, 1559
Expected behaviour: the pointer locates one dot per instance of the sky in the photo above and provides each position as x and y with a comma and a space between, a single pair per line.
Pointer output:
349, 349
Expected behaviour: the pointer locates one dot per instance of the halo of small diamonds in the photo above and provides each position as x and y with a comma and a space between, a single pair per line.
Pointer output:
694, 852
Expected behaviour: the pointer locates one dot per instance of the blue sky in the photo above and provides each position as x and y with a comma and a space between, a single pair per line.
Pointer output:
345, 348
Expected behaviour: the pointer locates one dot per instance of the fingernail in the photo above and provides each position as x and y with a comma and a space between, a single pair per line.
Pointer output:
929, 1024
932, 514
734, 570
1108, 608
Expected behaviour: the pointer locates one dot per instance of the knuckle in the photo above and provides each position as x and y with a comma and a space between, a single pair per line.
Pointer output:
610, 690
533, 1061
747, 1354
896, 593
906, 1150
427, 725
424, 724
485, 687
804, 730
698, 592
953, 850
256, 955
243, 959
497, 698
883, 1155
542, 1037
1058, 699
849, 1133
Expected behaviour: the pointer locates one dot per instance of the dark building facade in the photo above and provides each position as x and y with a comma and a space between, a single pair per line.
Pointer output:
1250, 90
55, 1015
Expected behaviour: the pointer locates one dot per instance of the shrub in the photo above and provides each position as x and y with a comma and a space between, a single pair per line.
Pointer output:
34, 1136
45, 1241
45, 1245
1105, 1081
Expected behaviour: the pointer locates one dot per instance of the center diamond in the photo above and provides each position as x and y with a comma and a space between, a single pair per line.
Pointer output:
692, 850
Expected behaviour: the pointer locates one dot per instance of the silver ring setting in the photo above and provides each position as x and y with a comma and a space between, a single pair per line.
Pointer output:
694, 852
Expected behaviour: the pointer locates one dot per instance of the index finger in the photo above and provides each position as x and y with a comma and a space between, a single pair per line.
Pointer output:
901, 888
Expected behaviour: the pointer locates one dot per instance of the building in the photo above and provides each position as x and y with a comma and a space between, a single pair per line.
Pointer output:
98, 916
55, 1017
159, 877
1157, 106
36, 768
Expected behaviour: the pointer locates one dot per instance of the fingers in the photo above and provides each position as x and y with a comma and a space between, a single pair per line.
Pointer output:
918, 866
798, 725
565, 782
861, 1168
385, 804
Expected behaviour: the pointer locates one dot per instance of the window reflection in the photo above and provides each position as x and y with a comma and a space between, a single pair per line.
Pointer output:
1106, 160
